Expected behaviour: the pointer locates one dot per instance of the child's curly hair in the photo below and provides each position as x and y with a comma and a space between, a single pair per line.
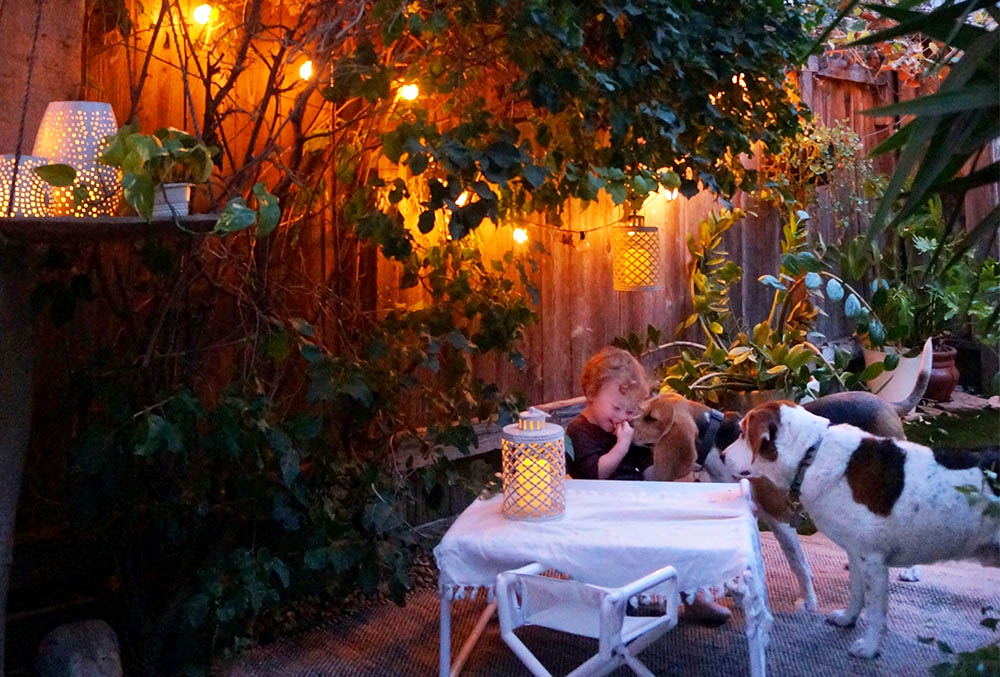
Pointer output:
617, 366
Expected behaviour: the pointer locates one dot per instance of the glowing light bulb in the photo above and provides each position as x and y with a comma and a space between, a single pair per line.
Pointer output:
306, 70
202, 14
463, 199
520, 235
409, 92
582, 243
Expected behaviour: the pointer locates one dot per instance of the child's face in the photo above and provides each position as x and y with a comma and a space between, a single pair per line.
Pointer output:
610, 407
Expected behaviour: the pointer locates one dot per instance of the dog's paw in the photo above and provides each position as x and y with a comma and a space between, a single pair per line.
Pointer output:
807, 604
910, 575
864, 648
841, 618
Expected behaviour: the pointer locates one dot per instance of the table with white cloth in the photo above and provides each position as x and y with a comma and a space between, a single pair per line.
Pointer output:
612, 533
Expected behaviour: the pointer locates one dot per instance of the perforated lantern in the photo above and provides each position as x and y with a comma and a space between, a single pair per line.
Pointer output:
31, 194
534, 468
636, 251
72, 133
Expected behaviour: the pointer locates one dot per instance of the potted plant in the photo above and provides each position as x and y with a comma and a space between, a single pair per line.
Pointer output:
740, 367
920, 285
159, 169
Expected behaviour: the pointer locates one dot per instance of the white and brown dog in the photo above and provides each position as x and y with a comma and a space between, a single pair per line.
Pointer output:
688, 437
886, 502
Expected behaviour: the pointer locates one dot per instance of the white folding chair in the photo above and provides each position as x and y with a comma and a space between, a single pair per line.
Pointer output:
525, 597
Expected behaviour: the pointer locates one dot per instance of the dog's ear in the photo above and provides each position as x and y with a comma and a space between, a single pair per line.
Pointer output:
675, 452
770, 498
761, 430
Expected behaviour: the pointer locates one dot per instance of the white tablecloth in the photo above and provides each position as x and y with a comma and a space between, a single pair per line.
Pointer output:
612, 533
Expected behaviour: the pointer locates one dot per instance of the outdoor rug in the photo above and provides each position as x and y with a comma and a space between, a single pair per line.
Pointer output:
403, 641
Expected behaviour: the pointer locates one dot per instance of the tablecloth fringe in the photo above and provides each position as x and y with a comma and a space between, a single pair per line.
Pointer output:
738, 584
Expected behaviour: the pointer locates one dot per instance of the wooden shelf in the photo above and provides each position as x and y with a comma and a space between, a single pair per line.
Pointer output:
86, 229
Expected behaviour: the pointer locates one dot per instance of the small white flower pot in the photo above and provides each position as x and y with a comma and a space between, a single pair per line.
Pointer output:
170, 200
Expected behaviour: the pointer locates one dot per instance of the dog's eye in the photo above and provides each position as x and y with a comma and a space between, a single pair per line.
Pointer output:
648, 419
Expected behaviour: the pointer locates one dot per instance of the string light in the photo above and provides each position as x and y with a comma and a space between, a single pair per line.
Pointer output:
520, 235
306, 70
202, 14
409, 92
462, 199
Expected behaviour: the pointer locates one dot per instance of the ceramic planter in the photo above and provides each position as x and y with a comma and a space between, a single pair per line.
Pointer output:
171, 199
898, 385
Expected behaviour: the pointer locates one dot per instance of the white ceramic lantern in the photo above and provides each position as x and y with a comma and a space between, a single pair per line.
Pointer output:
31, 194
72, 133
534, 468
636, 251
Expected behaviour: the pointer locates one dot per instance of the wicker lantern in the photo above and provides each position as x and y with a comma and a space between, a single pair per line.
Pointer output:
636, 260
534, 468
72, 133
31, 194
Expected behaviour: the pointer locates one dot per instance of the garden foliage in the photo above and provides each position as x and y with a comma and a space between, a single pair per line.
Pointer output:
236, 426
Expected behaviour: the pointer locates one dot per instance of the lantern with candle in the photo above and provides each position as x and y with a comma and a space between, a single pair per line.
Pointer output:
534, 468
636, 259
73, 133
30, 194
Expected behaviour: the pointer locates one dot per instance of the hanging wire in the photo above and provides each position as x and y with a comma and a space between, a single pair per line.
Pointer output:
24, 109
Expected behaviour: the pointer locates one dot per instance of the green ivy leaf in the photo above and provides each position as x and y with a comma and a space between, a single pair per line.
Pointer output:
236, 216
268, 211
58, 175
138, 192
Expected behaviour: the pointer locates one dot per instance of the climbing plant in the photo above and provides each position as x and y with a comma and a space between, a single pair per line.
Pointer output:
234, 435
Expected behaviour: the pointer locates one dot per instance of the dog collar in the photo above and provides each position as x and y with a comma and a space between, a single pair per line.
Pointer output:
794, 495
706, 438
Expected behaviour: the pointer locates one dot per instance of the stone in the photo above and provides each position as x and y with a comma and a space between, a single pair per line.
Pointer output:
82, 649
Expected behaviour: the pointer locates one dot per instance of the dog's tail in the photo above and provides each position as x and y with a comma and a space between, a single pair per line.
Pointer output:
906, 405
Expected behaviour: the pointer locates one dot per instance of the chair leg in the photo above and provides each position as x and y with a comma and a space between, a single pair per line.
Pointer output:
637, 666
523, 653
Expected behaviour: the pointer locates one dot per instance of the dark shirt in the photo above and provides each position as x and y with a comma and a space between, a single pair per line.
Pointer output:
590, 442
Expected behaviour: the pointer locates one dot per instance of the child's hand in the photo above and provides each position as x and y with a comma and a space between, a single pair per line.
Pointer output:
624, 433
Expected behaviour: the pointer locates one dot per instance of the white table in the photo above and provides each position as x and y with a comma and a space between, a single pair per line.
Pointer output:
612, 533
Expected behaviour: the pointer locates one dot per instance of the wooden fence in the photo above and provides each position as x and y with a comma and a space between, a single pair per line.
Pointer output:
579, 310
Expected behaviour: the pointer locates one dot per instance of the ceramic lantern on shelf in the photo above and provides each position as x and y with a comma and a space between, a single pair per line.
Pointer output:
636, 255
534, 468
31, 194
73, 133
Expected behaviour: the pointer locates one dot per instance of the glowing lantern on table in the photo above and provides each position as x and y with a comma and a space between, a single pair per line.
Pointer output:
534, 468
30, 192
636, 259
72, 133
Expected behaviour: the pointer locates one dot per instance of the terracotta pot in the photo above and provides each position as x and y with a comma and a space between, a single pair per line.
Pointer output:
944, 374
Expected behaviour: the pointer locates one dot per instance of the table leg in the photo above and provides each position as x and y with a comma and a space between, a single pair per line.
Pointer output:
444, 662
446, 669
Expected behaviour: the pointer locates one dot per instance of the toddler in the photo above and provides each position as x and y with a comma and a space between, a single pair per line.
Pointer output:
615, 386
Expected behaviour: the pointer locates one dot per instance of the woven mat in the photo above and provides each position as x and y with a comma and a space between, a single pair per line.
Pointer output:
390, 640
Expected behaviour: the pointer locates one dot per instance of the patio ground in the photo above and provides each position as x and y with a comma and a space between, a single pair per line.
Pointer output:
400, 642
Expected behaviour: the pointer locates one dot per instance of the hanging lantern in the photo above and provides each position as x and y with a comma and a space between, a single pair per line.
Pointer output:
72, 133
534, 468
31, 194
636, 261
